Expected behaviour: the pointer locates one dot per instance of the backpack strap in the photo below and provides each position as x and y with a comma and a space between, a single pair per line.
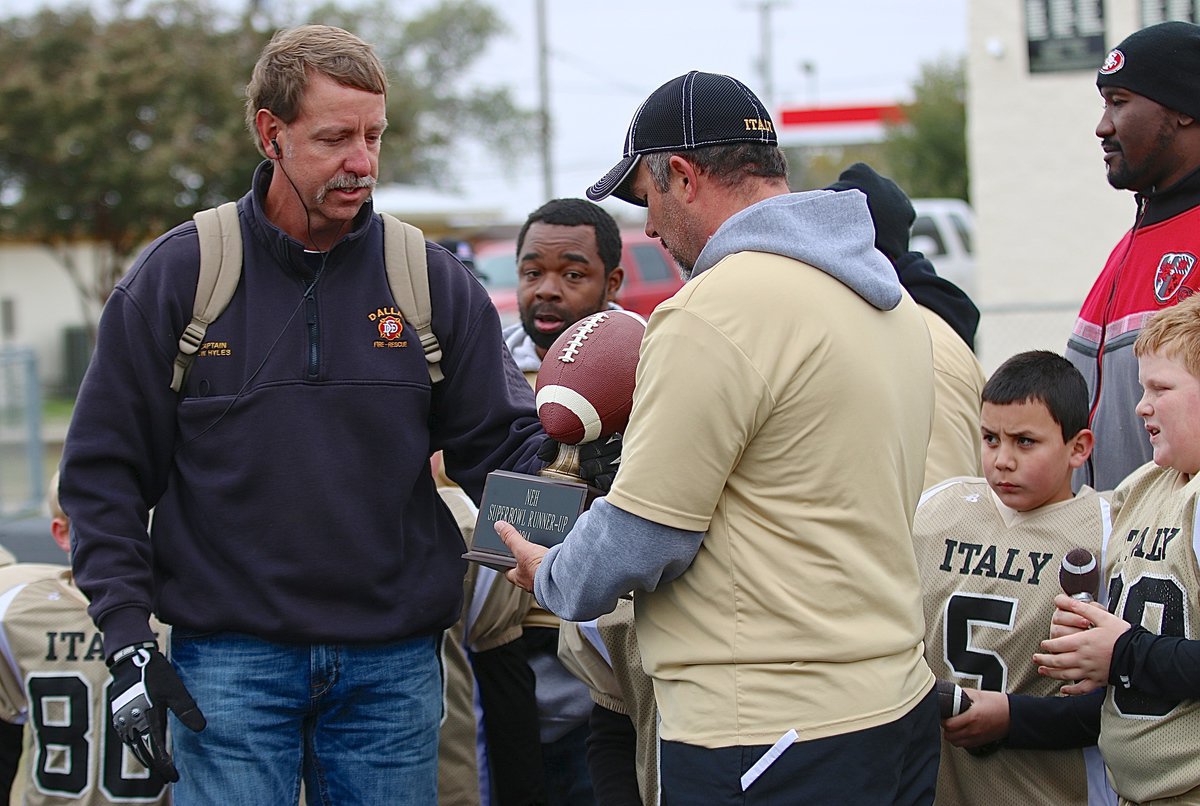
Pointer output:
220, 236
408, 277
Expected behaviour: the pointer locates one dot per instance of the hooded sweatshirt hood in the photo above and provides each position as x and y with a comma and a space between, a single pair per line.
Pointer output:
523, 350
939, 295
830, 231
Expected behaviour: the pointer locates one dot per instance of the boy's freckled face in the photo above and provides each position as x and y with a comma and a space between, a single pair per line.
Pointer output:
1025, 459
1170, 410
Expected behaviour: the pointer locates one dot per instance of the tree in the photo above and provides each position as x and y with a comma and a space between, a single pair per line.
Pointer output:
115, 129
431, 107
927, 155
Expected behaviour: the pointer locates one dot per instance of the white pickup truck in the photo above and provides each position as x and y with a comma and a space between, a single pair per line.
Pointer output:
944, 231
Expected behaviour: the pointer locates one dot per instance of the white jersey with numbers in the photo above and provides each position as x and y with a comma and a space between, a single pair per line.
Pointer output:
1151, 743
990, 575
53, 677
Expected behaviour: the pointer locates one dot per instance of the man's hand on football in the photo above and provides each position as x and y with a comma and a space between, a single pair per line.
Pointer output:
528, 556
599, 462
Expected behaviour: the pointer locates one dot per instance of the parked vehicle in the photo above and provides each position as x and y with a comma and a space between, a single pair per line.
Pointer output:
650, 274
944, 231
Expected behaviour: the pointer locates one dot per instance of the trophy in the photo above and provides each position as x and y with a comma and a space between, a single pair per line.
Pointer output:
584, 394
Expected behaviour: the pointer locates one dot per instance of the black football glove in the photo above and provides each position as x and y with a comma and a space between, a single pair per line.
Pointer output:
599, 461
548, 450
144, 687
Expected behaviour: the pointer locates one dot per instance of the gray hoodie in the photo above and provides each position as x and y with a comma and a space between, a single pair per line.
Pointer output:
611, 552
828, 230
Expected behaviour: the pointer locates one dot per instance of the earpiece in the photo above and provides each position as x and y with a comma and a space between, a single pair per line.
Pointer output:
275, 145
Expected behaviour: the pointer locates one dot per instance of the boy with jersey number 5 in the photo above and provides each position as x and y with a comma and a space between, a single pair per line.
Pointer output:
989, 551
1146, 647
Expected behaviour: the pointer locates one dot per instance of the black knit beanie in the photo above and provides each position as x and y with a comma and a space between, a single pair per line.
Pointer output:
891, 210
1161, 63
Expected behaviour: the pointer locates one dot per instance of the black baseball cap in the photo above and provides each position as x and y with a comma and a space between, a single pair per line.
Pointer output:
691, 111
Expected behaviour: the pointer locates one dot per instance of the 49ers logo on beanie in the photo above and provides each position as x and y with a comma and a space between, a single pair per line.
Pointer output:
1161, 62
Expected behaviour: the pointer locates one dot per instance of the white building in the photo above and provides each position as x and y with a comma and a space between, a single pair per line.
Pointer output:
1046, 217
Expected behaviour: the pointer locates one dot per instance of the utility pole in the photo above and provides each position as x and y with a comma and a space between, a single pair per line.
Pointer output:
764, 60
545, 139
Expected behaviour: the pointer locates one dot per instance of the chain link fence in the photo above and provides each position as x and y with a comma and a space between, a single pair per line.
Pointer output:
21, 451
1008, 329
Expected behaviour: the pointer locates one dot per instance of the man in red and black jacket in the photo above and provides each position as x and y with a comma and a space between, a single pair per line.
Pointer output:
1150, 133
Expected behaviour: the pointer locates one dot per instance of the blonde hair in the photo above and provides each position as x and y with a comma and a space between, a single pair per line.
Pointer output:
1174, 332
52, 498
294, 54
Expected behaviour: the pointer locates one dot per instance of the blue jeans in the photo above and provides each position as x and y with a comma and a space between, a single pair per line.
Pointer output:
359, 724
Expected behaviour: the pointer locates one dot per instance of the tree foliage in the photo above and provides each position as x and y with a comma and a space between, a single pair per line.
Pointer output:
431, 106
927, 155
116, 128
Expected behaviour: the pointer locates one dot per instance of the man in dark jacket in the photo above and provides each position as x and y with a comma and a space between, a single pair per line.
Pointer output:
299, 547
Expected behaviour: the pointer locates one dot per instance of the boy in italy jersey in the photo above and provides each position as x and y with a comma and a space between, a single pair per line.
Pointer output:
54, 679
989, 550
1146, 649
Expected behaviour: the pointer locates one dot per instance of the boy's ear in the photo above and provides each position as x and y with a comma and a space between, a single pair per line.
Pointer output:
60, 530
1081, 447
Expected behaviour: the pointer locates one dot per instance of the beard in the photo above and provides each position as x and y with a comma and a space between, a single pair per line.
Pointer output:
684, 267
545, 339
1140, 176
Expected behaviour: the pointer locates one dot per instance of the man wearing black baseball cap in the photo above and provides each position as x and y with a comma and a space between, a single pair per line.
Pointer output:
1150, 134
777, 599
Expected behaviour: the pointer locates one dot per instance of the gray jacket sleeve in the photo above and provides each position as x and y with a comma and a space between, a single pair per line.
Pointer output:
609, 553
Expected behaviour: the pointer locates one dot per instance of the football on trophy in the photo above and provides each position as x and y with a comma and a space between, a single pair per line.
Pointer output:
585, 384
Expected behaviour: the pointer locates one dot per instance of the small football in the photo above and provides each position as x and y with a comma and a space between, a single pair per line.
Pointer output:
952, 700
585, 384
1079, 574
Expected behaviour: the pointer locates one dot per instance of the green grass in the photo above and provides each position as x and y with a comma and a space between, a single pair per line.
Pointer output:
57, 409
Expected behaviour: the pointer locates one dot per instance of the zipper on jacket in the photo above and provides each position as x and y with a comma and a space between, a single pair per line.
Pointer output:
314, 334
1143, 203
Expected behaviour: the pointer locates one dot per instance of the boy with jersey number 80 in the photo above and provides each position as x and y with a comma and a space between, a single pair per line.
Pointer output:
989, 551
54, 680
1145, 648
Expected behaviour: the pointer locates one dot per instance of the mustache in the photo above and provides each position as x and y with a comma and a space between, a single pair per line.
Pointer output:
345, 182
543, 308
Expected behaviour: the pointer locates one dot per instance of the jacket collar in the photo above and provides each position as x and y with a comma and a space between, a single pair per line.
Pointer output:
1169, 202
286, 250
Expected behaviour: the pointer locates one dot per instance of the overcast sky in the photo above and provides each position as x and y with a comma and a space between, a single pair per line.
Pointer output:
607, 56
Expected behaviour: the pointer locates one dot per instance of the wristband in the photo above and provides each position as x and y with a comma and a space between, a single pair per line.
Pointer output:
125, 652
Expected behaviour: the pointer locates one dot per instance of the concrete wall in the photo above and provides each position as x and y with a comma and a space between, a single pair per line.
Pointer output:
43, 303
1046, 217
